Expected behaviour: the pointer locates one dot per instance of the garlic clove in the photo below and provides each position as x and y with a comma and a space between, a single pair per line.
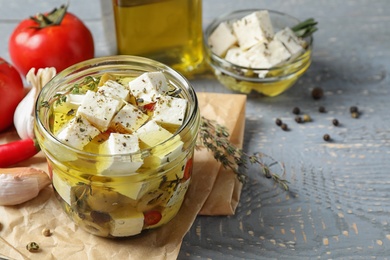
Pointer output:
21, 184
24, 113
23, 116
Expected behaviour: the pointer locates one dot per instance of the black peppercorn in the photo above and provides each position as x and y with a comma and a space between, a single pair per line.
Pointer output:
317, 93
335, 122
298, 119
322, 109
326, 137
278, 122
353, 109
284, 127
296, 110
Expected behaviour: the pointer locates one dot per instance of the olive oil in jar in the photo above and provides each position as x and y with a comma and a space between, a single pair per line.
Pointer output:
169, 31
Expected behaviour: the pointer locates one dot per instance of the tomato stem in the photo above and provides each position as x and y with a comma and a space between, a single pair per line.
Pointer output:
53, 18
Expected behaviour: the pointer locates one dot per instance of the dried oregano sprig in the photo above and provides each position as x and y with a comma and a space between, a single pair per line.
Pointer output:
215, 138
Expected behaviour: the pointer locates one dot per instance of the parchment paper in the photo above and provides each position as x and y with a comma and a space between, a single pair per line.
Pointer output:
213, 191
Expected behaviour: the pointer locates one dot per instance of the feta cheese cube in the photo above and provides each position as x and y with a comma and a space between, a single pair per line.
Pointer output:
78, 133
258, 56
126, 222
119, 144
170, 111
62, 188
221, 39
290, 41
253, 28
178, 194
128, 119
151, 134
177, 172
148, 86
164, 153
98, 109
279, 53
138, 188
237, 56
115, 90
267, 55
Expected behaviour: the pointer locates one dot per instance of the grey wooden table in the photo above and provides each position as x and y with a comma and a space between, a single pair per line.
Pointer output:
338, 205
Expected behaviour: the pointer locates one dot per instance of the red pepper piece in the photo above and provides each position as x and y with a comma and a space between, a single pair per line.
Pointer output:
152, 217
17, 151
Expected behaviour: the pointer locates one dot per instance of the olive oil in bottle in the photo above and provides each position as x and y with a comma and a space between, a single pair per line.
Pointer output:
169, 31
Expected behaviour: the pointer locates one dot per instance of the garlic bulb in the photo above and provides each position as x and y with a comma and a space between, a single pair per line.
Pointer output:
21, 184
23, 116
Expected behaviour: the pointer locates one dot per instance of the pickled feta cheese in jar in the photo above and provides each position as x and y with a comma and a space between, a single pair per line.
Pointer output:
119, 135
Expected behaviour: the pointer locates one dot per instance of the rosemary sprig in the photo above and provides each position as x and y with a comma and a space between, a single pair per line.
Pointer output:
215, 138
305, 28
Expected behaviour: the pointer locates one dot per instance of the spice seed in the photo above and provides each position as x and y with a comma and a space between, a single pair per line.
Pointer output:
46, 232
284, 127
32, 247
353, 109
326, 137
317, 93
335, 122
355, 114
296, 110
306, 118
298, 119
322, 109
278, 122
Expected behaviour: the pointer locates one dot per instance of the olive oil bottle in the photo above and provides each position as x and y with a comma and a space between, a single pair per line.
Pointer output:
169, 31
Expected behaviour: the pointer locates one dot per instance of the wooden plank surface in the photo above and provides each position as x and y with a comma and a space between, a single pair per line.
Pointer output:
338, 205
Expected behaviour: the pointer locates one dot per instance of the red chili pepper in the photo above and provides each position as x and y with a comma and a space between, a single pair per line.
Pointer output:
17, 151
152, 217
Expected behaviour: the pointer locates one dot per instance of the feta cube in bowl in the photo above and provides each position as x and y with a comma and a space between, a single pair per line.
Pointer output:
257, 50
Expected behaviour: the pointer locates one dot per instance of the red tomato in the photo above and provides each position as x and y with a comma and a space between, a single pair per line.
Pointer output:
11, 93
152, 217
57, 44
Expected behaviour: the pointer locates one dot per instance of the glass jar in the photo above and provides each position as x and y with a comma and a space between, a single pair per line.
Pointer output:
169, 31
123, 202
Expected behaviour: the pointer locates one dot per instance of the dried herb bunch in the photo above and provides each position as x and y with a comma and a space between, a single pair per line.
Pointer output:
215, 138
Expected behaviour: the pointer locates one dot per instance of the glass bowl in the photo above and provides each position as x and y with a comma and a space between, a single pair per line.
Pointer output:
245, 79
121, 200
